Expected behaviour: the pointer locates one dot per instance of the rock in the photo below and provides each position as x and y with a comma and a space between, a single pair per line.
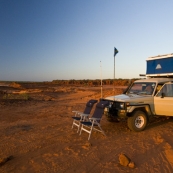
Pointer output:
87, 145
124, 160
131, 165
4, 160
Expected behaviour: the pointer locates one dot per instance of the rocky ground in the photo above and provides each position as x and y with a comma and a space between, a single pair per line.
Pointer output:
36, 135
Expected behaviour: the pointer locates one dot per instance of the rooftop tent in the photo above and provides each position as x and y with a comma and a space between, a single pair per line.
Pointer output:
161, 65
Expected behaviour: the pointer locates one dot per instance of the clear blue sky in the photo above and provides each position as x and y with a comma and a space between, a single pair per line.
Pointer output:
45, 40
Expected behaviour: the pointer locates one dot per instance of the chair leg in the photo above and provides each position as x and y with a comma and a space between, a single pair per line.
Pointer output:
76, 112
76, 123
101, 130
91, 128
90, 133
72, 124
81, 129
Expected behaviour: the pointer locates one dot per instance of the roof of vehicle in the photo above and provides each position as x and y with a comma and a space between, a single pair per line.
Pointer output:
157, 80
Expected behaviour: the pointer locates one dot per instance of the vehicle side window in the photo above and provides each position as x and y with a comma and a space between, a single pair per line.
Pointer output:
167, 90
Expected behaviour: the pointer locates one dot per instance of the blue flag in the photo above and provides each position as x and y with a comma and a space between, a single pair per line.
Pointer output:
115, 51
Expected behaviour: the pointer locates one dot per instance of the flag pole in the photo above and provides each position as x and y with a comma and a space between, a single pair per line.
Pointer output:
114, 75
101, 78
115, 52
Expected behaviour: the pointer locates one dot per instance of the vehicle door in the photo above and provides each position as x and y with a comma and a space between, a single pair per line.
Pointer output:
163, 100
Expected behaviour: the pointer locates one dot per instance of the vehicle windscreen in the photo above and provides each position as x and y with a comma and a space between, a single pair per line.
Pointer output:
142, 88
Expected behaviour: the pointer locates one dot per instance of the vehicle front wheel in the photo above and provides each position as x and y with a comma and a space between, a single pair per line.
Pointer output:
137, 122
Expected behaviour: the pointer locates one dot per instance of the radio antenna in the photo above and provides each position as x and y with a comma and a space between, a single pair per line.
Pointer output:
101, 79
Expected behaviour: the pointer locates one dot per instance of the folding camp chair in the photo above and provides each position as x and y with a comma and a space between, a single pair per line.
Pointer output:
94, 121
82, 116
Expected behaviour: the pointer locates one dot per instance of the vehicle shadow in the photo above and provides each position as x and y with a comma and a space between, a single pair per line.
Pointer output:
158, 121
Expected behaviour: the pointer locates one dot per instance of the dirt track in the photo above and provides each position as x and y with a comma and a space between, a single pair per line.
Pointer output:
37, 134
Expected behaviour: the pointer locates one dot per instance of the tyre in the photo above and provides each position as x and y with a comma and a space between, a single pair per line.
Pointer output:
137, 122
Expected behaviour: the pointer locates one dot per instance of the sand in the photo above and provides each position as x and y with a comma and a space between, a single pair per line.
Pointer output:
36, 136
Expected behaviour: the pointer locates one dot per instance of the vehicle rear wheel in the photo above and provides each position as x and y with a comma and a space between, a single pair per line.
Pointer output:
137, 122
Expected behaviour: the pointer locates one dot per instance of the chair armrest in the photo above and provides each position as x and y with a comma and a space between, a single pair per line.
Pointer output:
75, 111
79, 113
85, 115
95, 118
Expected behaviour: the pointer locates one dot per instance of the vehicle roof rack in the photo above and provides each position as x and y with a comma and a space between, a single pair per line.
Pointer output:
142, 74
160, 56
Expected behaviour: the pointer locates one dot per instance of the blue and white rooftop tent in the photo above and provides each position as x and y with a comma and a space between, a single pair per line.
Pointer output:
161, 65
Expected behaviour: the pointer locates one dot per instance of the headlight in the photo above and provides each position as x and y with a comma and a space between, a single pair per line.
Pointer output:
110, 104
106, 109
127, 104
122, 105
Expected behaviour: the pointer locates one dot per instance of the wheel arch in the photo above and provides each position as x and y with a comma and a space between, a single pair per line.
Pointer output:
144, 108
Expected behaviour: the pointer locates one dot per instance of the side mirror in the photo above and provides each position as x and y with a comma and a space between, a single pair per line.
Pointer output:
162, 95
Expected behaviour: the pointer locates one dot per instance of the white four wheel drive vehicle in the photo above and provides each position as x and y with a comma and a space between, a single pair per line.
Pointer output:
145, 98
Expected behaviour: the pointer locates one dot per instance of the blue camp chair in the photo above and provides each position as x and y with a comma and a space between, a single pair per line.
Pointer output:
94, 121
82, 116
